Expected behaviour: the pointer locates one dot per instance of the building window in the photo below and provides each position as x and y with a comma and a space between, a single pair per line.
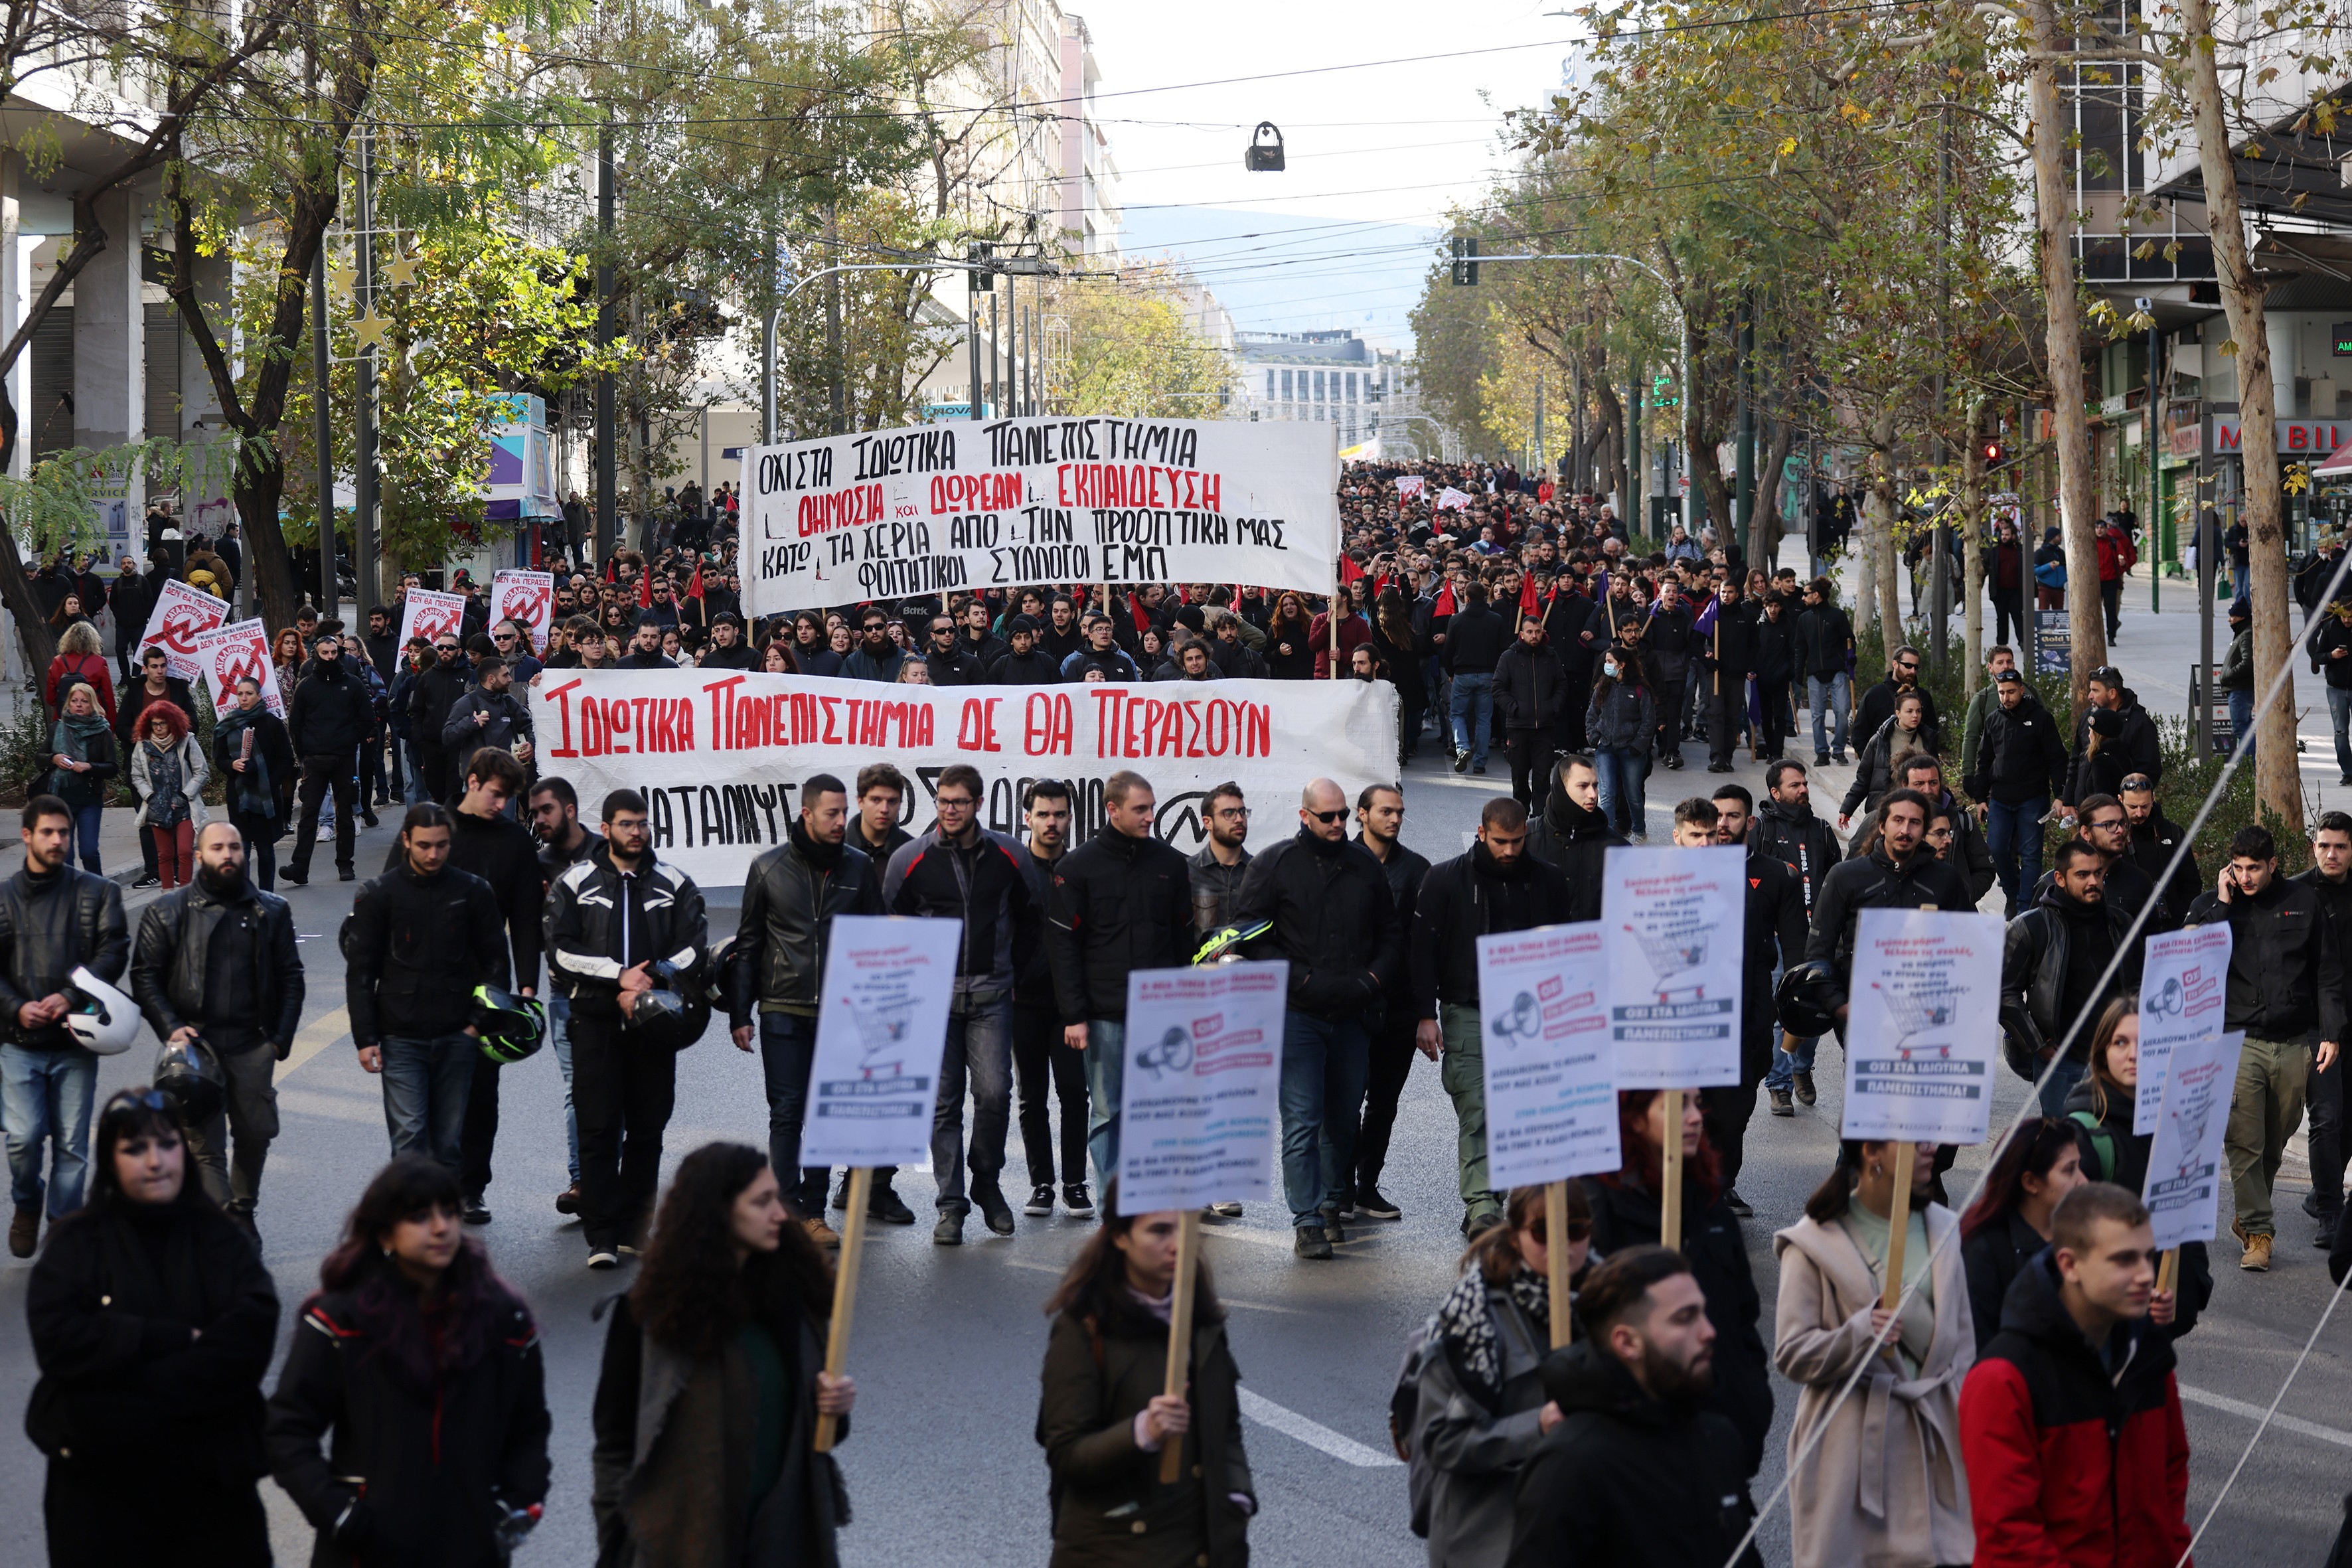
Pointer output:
1269, 386
1351, 386
1318, 386
1286, 387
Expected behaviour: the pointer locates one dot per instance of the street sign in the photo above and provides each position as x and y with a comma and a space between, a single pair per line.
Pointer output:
2054, 643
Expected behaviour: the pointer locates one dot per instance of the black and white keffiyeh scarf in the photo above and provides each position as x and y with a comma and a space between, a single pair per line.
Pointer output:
1465, 1322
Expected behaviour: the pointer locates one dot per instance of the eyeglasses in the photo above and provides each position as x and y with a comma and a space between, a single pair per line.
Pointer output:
1940, 833
1329, 817
2105, 825
952, 802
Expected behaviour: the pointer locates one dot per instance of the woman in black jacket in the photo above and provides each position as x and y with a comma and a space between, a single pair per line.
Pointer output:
2010, 1221
1104, 1417
1403, 651
1290, 641
1620, 721
425, 1369
1878, 766
1625, 1213
152, 1321
713, 1383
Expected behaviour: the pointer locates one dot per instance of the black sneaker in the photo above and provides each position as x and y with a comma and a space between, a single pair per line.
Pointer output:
603, 1257
1075, 1198
1780, 1105
2310, 1203
885, 1206
1805, 1094
150, 881
1040, 1199
1821, 758
295, 879
345, 874
994, 1212
1719, 767
1332, 1230
1736, 1204
475, 1211
1370, 1205
1460, 762
1310, 1242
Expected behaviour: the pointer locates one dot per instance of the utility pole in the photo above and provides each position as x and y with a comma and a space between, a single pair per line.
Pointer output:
607, 484
322, 425
768, 346
1543, 453
2151, 529
1743, 453
978, 255
1636, 395
366, 492
1938, 563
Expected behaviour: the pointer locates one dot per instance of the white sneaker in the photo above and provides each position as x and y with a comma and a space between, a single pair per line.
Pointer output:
603, 1257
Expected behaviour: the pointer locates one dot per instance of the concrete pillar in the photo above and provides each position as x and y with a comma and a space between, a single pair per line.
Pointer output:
111, 334
2281, 331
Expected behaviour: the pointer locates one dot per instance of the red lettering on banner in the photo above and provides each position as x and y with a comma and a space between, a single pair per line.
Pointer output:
1047, 725
976, 730
1258, 730
722, 706
831, 736
1220, 727
562, 697
616, 724
976, 492
1139, 485
852, 508
1106, 721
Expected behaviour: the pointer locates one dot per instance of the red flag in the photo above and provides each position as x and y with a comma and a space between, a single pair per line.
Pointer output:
1380, 584
1445, 605
609, 568
1136, 612
1348, 571
645, 588
694, 589
1527, 603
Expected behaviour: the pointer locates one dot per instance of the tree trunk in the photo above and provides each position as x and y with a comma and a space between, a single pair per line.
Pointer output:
2278, 776
2071, 423
1880, 505
1972, 517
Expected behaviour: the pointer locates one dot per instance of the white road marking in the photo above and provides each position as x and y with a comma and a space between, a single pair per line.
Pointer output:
2223, 1403
1315, 1435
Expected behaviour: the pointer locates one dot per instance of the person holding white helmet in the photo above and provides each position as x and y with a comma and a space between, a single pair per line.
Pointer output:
215, 962
53, 920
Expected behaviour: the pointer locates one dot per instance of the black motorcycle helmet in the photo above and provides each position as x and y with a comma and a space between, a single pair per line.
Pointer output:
1805, 1000
670, 1020
190, 1075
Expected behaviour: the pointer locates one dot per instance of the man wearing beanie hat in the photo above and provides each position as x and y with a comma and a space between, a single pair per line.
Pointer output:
1026, 665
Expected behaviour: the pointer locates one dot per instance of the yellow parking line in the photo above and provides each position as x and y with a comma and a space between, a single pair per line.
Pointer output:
329, 1028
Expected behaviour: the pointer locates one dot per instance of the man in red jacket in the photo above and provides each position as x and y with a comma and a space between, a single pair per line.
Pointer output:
2075, 1360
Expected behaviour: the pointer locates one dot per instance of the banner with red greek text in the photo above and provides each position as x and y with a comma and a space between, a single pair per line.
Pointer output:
719, 754
180, 615
527, 596
226, 655
1001, 503
427, 613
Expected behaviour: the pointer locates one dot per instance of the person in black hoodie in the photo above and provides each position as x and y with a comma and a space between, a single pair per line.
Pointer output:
1642, 1470
2100, 1113
1825, 664
1625, 1213
410, 1422
1380, 823
1329, 913
2052, 960
1668, 639
431, 694
2019, 768
1573, 836
1025, 664
1474, 645
152, 1320
1530, 691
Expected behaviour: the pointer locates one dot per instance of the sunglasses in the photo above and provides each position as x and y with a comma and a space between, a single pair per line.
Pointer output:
135, 1099
1328, 818
1578, 1230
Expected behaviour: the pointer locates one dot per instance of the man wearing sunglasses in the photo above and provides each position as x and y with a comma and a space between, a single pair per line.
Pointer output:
432, 694
1333, 919
1878, 703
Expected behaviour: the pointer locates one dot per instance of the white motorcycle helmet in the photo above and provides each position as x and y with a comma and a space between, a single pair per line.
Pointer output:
102, 1019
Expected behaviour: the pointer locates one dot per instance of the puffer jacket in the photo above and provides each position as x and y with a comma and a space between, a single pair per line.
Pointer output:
1530, 688
789, 902
49, 927
169, 967
585, 932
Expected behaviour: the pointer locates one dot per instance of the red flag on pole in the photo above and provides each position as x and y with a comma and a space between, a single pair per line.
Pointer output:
1348, 571
1528, 604
645, 588
1445, 605
1136, 612
694, 589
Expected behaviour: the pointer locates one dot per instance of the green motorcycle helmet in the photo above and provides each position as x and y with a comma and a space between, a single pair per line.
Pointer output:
511, 1027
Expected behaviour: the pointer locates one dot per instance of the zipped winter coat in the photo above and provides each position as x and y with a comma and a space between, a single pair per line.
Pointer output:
789, 902
2282, 980
1116, 904
1622, 716
418, 947
1874, 881
1458, 906
585, 932
49, 926
1334, 920
1530, 688
984, 884
2018, 757
1574, 842
1798, 840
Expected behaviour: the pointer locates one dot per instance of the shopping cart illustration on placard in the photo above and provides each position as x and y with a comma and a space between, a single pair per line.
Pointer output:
1171, 1052
1521, 1022
880, 1030
2191, 1127
1673, 953
1913, 1013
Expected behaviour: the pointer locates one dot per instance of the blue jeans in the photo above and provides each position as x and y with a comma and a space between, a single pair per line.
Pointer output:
1473, 697
2060, 1083
87, 821
787, 1048
1829, 700
45, 1098
416, 793
2340, 709
1105, 1080
559, 1037
978, 1053
1324, 1069
2241, 725
2014, 834
426, 1085
1786, 1063
1623, 772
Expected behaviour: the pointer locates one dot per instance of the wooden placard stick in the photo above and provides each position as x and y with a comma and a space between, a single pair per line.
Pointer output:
1556, 1259
1670, 1202
844, 1290
1180, 1339
1905, 1154
2168, 1271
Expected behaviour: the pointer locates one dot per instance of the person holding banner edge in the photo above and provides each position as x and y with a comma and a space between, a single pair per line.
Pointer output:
2100, 1113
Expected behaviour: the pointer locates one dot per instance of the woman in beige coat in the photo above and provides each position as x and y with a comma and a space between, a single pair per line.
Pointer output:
1885, 1488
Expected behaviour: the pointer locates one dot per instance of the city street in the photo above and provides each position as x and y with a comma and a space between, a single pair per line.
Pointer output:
942, 1466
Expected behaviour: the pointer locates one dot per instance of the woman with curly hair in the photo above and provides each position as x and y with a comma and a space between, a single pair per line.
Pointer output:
712, 1383
424, 1367
1105, 1417
1290, 640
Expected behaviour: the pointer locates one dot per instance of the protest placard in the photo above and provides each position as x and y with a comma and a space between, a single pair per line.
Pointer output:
880, 1028
941, 508
527, 596
226, 655
180, 615
2183, 988
1674, 925
429, 614
1199, 1110
1409, 484
2183, 1188
1924, 1030
1551, 1088
1451, 500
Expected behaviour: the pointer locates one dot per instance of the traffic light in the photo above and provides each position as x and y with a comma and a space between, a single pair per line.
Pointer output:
1993, 453
1465, 259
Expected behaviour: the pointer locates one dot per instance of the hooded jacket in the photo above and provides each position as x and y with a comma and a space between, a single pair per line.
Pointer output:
1117, 904
1799, 840
1876, 881
2036, 955
1574, 842
2073, 1459
984, 884
1034, 668
2133, 747
1622, 716
1627, 1481
1333, 918
1464, 898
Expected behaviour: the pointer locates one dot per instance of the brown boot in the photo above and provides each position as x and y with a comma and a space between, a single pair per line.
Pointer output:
25, 1230
820, 1233
2258, 1254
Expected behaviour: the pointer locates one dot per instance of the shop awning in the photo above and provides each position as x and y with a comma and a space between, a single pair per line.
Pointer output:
2338, 466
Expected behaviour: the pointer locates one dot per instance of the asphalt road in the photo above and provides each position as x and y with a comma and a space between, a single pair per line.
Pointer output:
943, 1468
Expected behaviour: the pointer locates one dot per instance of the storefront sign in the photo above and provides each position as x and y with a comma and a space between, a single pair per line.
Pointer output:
2308, 437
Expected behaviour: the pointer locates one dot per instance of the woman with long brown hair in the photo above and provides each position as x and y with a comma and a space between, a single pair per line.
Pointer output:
1403, 651
1104, 1416
2101, 1108
713, 1380
1290, 640
1626, 1213
2010, 1221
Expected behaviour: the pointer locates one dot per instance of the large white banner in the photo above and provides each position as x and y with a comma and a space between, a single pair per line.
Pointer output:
1198, 1097
880, 1028
1675, 921
527, 596
226, 655
180, 615
1552, 1085
2182, 990
998, 503
720, 754
427, 613
1924, 1025
2183, 1188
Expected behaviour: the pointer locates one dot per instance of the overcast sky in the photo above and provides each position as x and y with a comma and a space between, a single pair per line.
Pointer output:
1377, 154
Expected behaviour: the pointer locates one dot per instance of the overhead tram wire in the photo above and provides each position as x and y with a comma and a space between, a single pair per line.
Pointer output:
2031, 1104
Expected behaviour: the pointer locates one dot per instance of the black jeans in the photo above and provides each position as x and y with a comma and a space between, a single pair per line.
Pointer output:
623, 1093
787, 1050
260, 848
2323, 1097
2008, 618
2112, 595
1530, 754
481, 1128
319, 775
1726, 716
1670, 697
1042, 1062
372, 770
1391, 1063
1726, 1109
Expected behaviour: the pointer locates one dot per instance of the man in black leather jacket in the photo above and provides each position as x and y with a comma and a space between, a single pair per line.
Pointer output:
1786, 829
217, 959
1901, 873
1380, 823
2051, 962
53, 920
789, 896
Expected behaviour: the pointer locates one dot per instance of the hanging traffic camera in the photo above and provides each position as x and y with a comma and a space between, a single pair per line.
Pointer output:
1264, 154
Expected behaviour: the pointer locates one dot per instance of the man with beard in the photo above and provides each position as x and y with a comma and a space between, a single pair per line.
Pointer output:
1024, 664
431, 694
1632, 1468
2154, 838
216, 960
327, 721
1573, 836
949, 655
1495, 886
1901, 873
1061, 638
1877, 704
1776, 934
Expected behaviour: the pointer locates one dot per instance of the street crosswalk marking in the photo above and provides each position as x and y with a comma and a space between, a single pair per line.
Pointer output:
2223, 1403
1315, 1435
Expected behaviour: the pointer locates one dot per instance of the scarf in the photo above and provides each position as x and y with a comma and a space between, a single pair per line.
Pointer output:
250, 792
1465, 1322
